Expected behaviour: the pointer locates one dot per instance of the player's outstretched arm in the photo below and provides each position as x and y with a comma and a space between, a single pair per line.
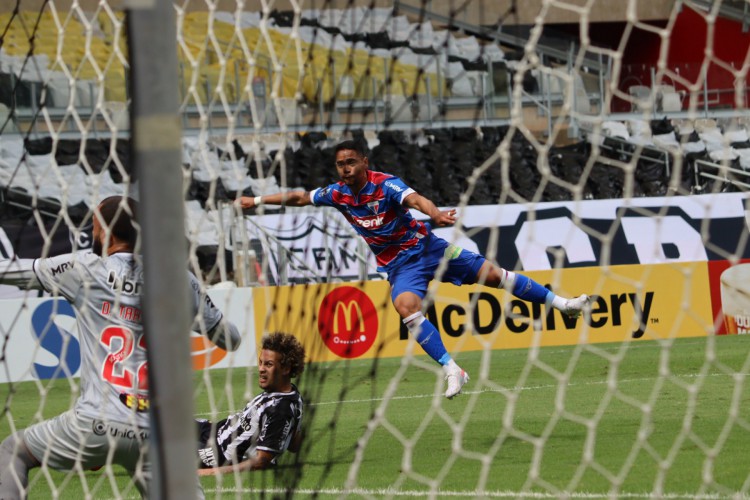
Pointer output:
262, 459
19, 272
289, 198
427, 207
225, 335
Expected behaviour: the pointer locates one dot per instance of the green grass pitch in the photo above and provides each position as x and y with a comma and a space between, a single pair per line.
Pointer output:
638, 420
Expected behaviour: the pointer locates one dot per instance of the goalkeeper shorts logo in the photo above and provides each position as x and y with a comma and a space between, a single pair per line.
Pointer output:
117, 430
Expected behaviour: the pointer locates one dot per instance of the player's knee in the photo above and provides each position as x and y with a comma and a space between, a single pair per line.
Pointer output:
496, 276
15, 462
7, 447
491, 275
407, 304
13, 448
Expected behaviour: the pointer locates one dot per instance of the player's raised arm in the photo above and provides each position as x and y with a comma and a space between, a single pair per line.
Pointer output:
427, 207
289, 198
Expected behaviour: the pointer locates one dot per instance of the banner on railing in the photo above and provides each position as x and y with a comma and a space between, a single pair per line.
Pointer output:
310, 246
320, 244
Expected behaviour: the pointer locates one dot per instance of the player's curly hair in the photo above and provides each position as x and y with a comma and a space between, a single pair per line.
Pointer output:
291, 351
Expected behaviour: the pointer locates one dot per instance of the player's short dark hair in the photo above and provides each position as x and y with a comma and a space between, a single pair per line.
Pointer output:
351, 145
120, 215
289, 348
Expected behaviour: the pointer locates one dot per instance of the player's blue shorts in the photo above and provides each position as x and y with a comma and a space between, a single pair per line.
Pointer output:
416, 272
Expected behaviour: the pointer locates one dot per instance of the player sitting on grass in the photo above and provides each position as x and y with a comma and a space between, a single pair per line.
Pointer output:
109, 422
377, 206
254, 438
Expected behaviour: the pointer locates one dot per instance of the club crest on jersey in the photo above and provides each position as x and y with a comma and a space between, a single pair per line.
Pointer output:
373, 206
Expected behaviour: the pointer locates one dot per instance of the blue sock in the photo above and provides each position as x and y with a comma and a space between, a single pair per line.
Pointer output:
428, 337
527, 289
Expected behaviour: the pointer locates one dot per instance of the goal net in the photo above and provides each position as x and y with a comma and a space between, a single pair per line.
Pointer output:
596, 147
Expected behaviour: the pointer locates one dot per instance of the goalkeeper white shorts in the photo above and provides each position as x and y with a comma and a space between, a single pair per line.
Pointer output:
68, 440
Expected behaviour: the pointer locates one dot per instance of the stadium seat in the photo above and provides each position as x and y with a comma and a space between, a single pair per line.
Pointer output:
666, 141
683, 126
103, 186
639, 127
712, 137
267, 185
744, 158
668, 99
468, 84
704, 124
7, 124
736, 135
201, 225
11, 148
723, 155
117, 112
616, 129
642, 98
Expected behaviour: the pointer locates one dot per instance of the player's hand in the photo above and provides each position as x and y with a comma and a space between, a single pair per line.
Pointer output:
245, 202
445, 217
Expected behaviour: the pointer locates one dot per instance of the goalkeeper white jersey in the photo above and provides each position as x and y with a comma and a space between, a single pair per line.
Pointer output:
106, 294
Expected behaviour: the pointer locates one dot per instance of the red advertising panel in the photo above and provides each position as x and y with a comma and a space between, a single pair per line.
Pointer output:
730, 296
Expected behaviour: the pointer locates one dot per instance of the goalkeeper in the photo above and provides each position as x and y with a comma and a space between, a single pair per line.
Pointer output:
270, 424
376, 205
109, 422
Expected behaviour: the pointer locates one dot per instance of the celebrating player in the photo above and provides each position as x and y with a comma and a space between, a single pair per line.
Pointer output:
109, 422
255, 437
376, 205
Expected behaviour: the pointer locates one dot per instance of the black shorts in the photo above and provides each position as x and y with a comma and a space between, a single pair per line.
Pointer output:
208, 456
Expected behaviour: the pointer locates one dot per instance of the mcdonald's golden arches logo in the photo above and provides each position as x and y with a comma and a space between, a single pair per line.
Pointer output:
348, 322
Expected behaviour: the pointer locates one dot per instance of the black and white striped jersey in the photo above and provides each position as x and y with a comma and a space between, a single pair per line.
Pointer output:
268, 422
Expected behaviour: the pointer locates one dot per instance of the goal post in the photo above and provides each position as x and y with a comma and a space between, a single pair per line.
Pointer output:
156, 144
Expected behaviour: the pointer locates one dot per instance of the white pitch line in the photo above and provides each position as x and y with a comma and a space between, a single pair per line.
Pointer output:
489, 391
517, 388
475, 493
472, 494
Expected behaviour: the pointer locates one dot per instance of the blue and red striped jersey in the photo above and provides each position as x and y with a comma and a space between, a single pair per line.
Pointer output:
378, 215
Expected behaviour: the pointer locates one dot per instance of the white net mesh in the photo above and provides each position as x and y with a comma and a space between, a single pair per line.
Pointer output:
599, 148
